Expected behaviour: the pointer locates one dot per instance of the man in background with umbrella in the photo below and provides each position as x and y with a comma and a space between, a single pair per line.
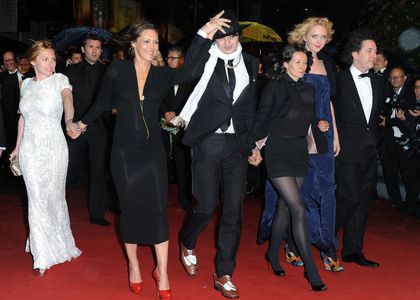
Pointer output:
85, 79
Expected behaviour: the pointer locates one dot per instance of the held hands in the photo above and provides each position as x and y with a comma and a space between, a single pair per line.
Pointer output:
169, 115
75, 129
400, 114
256, 158
214, 24
323, 125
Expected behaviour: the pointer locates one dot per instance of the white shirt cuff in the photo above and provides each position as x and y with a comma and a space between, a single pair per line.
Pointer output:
202, 33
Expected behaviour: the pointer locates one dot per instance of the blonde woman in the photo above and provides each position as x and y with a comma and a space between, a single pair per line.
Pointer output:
43, 157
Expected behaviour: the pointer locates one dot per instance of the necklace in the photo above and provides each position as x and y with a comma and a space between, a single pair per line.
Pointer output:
235, 65
142, 116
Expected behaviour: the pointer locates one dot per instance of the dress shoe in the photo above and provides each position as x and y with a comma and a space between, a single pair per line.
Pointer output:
360, 259
41, 273
331, 264
162, 294
136, 287
225, 285
99, 221
278, 271
189, 260
315, 287
292, 258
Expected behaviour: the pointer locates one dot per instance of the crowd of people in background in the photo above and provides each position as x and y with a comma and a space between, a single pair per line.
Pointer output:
205, 119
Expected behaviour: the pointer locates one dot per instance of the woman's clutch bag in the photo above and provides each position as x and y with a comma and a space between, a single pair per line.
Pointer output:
14, 166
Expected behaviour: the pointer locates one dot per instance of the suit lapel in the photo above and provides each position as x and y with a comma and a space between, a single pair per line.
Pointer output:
375, 97
355, 94
252, 78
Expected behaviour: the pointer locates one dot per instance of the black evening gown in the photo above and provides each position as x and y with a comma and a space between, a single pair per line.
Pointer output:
138, 161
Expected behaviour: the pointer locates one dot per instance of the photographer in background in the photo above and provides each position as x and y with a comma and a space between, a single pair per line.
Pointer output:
409, 114
396, 159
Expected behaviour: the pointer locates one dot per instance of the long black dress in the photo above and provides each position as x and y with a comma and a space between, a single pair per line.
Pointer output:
138, 161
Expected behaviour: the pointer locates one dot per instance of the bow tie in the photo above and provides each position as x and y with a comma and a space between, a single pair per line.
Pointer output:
363, 75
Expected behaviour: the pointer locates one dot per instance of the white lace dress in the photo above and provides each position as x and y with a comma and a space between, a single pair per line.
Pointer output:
43, 157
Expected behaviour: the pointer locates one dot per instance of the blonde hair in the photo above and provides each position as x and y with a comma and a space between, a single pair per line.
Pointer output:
159, 58
37, 47
299, 32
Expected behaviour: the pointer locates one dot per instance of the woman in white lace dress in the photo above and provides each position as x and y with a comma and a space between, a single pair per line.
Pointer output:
43, 157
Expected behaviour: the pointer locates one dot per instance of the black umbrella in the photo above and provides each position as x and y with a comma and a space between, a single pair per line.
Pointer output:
16, 47
75, 36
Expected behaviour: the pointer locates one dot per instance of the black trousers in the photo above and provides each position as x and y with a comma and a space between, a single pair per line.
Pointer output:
95, 144
217, 162
388, 154
410, 173
182, 159
355, 183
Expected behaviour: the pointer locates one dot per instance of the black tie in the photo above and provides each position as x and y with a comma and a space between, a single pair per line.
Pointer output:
232, 82
364, 75
231, 77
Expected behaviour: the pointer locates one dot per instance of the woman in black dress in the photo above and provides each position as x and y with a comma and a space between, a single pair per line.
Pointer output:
286, 110
136, 88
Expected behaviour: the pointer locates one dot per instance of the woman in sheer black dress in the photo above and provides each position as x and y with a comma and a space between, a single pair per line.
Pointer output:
285, 112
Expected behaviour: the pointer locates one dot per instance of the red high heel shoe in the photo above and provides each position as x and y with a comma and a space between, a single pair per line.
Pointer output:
163, 294
136, 287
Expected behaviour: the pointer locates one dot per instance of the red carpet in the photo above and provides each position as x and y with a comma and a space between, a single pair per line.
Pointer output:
101, 273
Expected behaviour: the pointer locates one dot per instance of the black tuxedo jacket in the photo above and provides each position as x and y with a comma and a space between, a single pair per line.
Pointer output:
354, 131
215, 107
85, 90
10, 93
176, 102
2, 129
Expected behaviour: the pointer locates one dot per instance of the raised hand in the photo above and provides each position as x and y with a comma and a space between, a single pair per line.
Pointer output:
214, 24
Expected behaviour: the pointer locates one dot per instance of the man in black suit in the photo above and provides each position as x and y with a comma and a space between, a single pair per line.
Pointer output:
226, 97
2, 133
10, 96
172, 105
392, 136
85, 79
394, 161
356, 109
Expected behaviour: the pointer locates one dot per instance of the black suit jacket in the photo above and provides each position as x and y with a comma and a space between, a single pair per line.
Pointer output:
10, 93
2, 130
215, 107
10, 96
85, 92
354, 131
176, 102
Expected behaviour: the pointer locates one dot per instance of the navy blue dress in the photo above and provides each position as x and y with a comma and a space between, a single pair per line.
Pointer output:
318, 190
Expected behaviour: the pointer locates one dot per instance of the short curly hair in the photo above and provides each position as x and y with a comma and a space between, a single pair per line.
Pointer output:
298, 33
354, 43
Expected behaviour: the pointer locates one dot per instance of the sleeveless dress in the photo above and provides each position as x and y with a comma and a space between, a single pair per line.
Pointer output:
318, 189
43, 158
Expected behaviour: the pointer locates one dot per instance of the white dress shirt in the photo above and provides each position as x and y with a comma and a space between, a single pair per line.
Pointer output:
364, 89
